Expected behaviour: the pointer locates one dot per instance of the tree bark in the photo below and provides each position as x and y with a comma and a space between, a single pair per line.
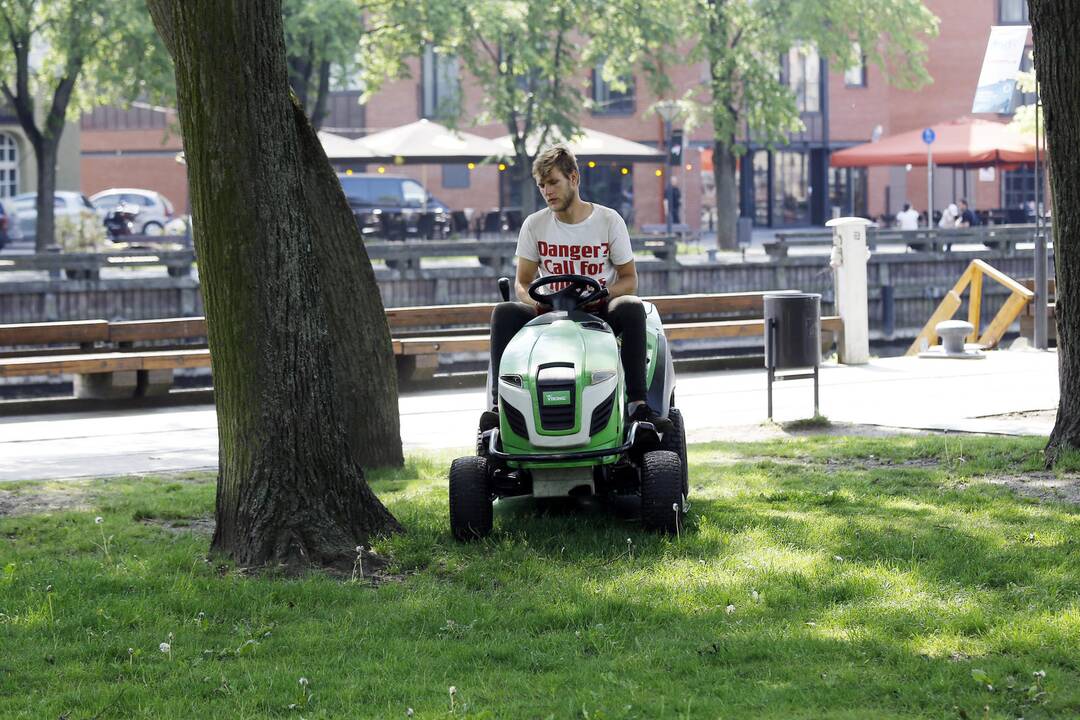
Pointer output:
1055, 26
304, 373
727, 199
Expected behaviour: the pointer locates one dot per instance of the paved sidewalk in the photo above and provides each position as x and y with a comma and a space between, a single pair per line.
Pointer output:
996, 395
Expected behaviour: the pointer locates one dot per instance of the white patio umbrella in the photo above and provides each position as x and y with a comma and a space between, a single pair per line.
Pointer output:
428, 143
591, 144
339, 147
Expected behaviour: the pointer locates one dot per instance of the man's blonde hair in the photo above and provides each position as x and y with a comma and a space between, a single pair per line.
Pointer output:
555, 157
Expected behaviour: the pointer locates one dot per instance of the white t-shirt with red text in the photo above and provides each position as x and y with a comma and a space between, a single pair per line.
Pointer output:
592, 247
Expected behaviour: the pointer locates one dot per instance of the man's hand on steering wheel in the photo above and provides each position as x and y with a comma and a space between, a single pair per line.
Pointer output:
578, 291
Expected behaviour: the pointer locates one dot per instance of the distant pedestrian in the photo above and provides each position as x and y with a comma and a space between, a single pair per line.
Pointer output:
908, 218
676, 201
949, 217
967, 217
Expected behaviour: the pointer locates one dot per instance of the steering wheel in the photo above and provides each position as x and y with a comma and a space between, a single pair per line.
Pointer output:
580, 290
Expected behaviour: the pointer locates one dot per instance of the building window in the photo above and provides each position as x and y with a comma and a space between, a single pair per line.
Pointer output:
439, 85
801, 71
455, 177
9, 166
791, 189
606, 99
855, 76
1018, 194
761, 188
1012, 12
847, 192
610, 184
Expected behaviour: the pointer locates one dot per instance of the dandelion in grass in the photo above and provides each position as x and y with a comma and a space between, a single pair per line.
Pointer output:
408, 712
729, 609
166, 648
104, 540
630, 548
358, 564
453, 692
678, 531
131, 656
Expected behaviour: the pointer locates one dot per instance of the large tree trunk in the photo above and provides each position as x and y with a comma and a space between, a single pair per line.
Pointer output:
727, 198
303, 368
1054, 24
45, 153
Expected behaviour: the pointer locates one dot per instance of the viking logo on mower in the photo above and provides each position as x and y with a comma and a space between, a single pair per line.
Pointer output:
557, 397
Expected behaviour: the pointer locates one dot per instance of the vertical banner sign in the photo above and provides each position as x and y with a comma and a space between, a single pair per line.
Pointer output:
997, 81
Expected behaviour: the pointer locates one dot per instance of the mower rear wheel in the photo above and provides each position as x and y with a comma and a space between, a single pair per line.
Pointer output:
661, 491
675, 441
470, 499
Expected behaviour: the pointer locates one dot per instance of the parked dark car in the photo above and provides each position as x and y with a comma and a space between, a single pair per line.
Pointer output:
394, 208
4, 227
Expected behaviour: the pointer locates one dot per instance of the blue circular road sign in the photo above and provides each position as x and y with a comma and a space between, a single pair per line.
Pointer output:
928, 136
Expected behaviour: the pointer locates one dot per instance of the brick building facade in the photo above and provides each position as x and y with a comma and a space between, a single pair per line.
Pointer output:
789, 186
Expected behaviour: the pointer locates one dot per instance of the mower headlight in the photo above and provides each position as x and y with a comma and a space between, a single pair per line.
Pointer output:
514, 380
600, 376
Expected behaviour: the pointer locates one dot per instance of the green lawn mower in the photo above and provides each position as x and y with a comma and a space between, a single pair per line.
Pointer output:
562, 428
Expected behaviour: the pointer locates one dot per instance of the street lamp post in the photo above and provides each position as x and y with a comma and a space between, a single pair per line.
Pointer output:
668, 110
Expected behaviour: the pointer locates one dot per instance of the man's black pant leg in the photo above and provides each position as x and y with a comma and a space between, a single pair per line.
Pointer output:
626, 315
506, 320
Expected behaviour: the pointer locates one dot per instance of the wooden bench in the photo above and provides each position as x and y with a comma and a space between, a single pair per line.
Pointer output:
464, 328
112, 360
102, 356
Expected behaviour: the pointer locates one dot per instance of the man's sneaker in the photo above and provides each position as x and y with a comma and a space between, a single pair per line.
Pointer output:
489, 420
644, 413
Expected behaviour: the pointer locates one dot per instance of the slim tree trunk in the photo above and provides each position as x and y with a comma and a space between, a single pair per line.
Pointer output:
727, 205
1056, 30
523, 177
303, 368
318, 114
45, 153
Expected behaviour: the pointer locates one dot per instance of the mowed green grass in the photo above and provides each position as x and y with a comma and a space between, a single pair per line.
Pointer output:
817, 577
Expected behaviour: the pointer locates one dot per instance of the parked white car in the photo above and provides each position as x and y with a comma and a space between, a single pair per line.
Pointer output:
155, 210
72, 213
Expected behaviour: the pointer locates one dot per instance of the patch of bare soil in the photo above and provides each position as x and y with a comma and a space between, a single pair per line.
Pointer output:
1042, 485
829, 465
70, 496
773, 431
1040, 415
196, 526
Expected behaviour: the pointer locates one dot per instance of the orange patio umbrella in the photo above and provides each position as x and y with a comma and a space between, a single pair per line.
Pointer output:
966, 141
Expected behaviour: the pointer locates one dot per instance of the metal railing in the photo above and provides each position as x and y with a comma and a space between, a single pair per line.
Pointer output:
993, 237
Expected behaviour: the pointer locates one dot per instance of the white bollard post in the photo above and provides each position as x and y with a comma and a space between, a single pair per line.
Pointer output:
849, 256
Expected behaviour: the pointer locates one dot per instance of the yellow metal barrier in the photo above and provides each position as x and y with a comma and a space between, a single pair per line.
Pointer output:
973, 277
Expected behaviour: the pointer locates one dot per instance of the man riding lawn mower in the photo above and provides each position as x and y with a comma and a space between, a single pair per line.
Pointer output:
577, 412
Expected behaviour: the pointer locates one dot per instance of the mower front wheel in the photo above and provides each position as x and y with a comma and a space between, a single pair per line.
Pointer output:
675, 441
470, 499
661, 491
